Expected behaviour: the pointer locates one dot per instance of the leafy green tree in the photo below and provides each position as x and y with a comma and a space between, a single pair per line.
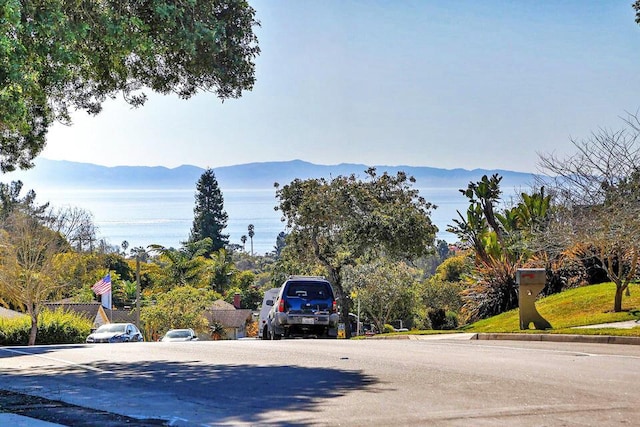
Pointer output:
181, 307
27, 265
455, 268
210, 217
57, 56
335, 223
10, 200
384, 290
244, 284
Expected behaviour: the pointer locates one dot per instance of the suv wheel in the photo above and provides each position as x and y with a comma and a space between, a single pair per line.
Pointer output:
274, 336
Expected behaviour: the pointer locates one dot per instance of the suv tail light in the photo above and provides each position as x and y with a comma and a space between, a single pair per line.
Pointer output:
281, 306
334, 307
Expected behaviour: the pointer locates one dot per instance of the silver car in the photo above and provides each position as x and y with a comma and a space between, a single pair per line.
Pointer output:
115, 332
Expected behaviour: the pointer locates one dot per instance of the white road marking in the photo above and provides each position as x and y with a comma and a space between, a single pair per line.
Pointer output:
67, 362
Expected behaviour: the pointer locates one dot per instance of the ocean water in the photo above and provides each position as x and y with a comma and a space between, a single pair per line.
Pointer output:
144, 217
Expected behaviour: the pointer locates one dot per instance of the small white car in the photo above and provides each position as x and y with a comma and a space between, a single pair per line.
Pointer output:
179, 335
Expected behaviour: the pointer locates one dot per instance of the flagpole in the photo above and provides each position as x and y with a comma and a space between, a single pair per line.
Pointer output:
138, 290
110, 298
104, 289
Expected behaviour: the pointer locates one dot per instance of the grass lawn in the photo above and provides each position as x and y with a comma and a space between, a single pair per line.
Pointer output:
587, 305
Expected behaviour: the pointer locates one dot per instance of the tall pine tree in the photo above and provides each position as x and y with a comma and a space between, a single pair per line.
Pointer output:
209, 217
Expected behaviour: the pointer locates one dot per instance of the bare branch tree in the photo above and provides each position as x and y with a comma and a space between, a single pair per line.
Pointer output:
76, 225
597, 190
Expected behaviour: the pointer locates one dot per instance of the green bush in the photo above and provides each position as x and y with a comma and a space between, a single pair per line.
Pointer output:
62, 327
443, 320
57, 327
15, 331
438, 318
452, 320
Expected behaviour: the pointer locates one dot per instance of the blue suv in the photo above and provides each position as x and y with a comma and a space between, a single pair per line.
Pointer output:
304, 307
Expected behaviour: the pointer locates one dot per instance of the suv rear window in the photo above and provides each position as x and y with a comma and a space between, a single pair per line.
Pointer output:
313, 290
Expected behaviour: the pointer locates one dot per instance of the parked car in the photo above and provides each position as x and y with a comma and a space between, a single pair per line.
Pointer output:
179, 335
115, 332
305, 307
267, 302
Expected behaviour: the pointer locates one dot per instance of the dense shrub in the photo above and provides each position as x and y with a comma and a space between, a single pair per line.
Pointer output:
15, 331
62, 327
437, 317
421, 319
493, 292
443, 320
452, 320
57, 327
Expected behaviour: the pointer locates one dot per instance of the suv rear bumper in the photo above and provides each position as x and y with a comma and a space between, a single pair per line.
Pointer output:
284, 319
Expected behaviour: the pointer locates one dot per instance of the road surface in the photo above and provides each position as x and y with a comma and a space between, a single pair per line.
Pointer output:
436, 381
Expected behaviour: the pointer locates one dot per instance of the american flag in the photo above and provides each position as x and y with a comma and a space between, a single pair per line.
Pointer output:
103, 285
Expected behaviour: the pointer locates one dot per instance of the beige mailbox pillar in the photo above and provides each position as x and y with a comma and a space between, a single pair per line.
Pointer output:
531, 281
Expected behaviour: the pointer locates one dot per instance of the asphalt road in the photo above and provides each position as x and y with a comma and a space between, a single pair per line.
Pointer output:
336, 382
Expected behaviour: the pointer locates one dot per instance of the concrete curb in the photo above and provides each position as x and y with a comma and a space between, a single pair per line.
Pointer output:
595, 339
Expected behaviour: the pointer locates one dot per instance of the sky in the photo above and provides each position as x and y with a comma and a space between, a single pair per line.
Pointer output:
446, 84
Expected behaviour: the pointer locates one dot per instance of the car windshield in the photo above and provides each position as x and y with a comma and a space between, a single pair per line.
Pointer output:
179, 334
113, 327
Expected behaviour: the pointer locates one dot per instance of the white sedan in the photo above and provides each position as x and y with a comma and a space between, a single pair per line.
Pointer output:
179, 335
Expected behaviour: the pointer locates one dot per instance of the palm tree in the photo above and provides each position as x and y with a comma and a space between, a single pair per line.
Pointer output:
243, 239
183, 266
251, 234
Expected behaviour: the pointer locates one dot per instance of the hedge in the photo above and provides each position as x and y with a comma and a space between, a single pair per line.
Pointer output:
54, 327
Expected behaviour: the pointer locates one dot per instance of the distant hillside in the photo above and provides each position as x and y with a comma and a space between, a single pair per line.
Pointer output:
64, 174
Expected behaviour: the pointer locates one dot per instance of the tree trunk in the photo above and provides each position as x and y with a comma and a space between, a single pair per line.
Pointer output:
34, 328
617, 304
345, 307
345, 303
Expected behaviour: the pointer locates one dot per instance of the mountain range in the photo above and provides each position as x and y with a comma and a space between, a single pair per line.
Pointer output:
64, 174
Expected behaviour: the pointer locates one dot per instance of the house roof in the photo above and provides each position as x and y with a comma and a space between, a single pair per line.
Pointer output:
222, 305
225, 313
121, 316
96, 312
10, 314
229, 318
89, 310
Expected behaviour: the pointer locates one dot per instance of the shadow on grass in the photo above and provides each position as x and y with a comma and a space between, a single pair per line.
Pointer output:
238, 393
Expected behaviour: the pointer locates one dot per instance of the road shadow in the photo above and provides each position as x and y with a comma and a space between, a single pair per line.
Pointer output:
238, 393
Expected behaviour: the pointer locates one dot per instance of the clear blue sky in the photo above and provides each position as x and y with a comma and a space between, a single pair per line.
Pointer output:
469, 84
